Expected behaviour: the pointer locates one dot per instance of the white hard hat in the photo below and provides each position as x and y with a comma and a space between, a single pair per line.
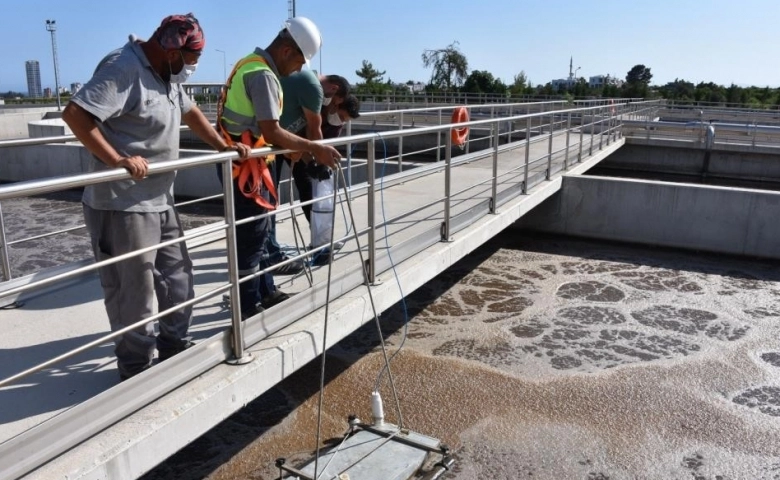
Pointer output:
306, 35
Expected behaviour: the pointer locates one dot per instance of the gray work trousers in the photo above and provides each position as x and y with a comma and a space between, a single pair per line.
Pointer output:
129, 286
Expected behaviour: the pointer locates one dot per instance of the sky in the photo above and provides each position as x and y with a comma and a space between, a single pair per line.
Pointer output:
699, 41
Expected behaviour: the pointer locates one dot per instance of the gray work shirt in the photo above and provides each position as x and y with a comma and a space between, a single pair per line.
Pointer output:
139, 114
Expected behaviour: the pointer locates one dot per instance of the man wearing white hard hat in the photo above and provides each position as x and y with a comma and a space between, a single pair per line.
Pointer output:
249, 113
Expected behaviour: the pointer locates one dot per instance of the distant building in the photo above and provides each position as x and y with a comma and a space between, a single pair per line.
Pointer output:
75, 87
562, 83
47, 92
33, 70
601, 81
566, 83
416, 87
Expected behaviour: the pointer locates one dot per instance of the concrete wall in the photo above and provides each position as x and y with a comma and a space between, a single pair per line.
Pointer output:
14, 124
738, 162
42, 161
716, 219
53, 127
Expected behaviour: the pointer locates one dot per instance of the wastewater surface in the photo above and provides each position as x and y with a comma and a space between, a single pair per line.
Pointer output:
25, 218
548, 358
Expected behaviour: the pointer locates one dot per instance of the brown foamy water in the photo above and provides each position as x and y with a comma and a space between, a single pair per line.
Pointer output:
547, 357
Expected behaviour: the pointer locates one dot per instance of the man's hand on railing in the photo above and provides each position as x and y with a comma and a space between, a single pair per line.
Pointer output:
136, 165
242, 150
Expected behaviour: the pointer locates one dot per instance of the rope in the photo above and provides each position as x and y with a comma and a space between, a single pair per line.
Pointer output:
325, 338
392, 264
325, 328
298, 233
373, 306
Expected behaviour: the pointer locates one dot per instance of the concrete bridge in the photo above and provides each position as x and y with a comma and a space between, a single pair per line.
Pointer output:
64, 414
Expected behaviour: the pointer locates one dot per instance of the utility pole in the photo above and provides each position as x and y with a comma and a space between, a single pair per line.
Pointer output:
290, 8
51, 27
224, 64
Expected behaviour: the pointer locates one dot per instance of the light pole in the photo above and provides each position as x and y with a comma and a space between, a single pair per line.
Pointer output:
224, 64
51, 27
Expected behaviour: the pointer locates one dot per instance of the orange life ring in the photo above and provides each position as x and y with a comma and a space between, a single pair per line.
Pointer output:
459, 135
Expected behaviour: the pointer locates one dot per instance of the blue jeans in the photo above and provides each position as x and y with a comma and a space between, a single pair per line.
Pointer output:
251, 248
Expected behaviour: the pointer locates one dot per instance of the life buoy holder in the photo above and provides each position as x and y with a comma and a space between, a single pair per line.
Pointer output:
459, 135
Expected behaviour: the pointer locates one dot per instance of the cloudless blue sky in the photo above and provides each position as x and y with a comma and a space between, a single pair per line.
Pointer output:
717, 40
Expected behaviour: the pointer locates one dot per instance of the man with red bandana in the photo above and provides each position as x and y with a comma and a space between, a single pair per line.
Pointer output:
128, 116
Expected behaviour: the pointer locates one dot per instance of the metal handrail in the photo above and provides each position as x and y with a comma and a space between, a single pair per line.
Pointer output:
38, 187
69, 138
50, 185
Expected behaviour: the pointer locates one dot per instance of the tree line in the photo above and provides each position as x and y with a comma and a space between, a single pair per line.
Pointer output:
450, 73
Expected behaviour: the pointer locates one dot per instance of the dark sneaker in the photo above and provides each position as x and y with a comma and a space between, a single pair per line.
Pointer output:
252, 312
291, 268
274, 299
167, 353
321, 258
336, 246
126, 375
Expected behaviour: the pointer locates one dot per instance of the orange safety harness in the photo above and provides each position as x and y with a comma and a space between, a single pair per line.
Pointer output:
253, 173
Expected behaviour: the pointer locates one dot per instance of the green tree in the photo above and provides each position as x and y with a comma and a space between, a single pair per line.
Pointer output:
580, 88
372, 77
733, 94
546, 89
368, 73
678, 90
610, 91
519, 84
482, 81
450, 66
637, 81
639, 74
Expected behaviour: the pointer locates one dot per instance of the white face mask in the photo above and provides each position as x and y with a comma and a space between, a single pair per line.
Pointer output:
326, 101
184, 74
335, 120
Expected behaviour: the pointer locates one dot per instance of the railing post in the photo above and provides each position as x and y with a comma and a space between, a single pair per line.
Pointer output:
601, 128
4, 249
494, 193
568, 135
527, 152
371, 198
468, 138
549, 147
240, 356
438, 140
349, 157
445, 226
647, 126
511, 127
400, 143
582, 137
492, 116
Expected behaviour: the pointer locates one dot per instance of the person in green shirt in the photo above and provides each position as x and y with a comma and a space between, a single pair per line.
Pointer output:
305, 95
